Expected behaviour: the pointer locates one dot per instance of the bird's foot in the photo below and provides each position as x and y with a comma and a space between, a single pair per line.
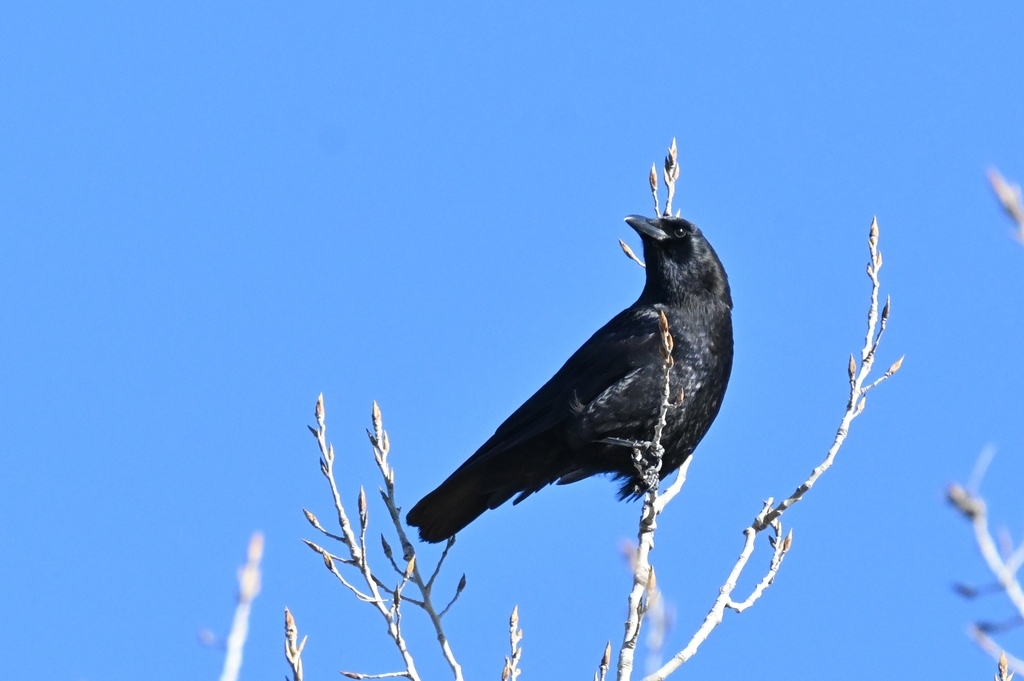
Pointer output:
647, 457
632, 444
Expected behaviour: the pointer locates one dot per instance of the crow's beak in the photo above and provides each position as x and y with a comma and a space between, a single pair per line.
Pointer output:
646, 227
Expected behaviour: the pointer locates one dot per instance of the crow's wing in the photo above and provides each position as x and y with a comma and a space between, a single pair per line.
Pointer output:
621, 347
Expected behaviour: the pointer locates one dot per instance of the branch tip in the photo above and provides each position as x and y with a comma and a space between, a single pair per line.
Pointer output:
895, 366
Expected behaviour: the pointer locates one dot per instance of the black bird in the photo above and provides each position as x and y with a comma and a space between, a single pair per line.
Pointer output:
610, 389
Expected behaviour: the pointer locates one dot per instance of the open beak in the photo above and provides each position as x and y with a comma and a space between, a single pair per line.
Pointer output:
647, 227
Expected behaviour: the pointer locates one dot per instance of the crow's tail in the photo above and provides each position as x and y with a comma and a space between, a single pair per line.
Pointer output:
459, 500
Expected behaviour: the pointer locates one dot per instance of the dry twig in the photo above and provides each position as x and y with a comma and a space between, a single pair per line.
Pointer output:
515, 635
248, 588
1004, 565
292, 648
670, 174
381, 449
386, 600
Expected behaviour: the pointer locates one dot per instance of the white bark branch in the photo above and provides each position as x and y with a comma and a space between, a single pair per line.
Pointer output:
647, 457
381, 449
357, 552
770, 516
972, 506
248, 588
292, 647
389, 607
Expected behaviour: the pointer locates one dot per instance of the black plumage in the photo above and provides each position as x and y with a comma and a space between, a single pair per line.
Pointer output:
610, 388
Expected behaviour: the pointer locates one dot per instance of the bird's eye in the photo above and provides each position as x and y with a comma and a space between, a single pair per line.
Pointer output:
680, 232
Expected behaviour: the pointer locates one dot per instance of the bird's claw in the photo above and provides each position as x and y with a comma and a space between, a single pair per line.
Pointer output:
635, 445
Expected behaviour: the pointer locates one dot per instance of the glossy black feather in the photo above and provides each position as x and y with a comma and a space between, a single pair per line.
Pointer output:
610, 388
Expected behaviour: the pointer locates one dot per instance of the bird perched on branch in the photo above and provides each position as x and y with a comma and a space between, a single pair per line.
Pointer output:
609, 392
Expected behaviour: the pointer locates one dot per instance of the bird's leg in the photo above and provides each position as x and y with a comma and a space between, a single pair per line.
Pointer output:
622, 442
651, 472
638, 460
647, 457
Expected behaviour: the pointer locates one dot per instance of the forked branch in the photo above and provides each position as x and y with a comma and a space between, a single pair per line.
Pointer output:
385, 599
1004, 565
770, 515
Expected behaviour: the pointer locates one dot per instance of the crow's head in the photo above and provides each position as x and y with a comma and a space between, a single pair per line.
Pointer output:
681, 264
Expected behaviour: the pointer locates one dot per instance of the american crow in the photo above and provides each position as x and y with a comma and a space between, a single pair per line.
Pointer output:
611, 388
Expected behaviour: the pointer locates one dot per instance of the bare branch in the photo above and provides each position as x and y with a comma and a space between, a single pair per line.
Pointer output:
444, 554
248, 588
381, 449
724, 600
1002, 565
671, 174
458, 592
1006, 662
973, 509
511, 670
293, 649
980, 468
677, 485
770, 515
855, 403
357, 547
316, 524
647, 457
781, 547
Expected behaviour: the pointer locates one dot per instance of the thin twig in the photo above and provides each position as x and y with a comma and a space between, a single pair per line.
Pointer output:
770, 515
974, 509
292, 648
329, 560
444, 554
980, 468
511, 670
671, 174
648, 468
381, 448
857, 399
248, 588
725, 600
1004, 567
458, 592
996, 653
316, 524
357, 548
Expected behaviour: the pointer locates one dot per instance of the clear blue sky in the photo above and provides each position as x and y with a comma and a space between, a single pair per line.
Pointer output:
211, 213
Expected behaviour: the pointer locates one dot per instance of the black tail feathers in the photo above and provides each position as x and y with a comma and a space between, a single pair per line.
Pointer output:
449, 508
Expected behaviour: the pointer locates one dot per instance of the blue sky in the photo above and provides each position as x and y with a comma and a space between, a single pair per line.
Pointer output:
211, 213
